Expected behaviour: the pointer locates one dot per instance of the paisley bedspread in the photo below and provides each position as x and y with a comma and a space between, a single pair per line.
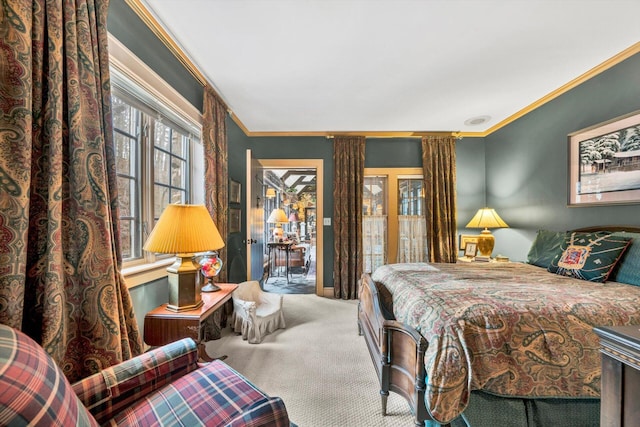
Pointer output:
509, 329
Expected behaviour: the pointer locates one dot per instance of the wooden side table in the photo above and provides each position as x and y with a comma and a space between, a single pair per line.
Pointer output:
620, 387
162, 326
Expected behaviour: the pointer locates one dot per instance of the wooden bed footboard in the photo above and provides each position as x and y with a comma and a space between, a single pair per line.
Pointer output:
396, 350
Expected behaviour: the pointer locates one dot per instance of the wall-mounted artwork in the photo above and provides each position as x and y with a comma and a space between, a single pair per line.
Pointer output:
235, 222
235, 192
604, 163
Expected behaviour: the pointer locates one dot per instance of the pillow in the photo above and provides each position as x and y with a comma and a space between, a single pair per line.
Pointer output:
628, 268
545, 247
589, 256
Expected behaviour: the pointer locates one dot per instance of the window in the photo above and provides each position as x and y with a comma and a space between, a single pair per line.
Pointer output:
156, 143
152, 167
393, 221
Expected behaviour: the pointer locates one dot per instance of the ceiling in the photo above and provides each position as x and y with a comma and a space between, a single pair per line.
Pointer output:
394, 67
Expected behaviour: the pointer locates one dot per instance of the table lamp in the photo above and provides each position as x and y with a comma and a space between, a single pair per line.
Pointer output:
278, 217
184, 230
486, 218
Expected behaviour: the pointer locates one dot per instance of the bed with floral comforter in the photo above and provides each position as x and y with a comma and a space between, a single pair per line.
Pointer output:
509, 329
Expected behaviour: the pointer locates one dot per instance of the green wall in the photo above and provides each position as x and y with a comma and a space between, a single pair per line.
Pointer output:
527, 161
379, 152
520, 170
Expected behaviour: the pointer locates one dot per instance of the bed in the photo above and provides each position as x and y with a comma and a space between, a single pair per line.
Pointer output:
476, 344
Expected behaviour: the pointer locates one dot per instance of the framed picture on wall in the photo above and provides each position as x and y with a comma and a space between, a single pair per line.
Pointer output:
235, 220
235, 192
604, 163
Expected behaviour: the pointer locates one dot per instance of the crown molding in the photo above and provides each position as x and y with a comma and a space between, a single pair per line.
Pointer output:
165, 38
625, 54
153, 24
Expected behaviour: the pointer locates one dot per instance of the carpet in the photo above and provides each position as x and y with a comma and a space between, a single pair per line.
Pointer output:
318, 365
298, 284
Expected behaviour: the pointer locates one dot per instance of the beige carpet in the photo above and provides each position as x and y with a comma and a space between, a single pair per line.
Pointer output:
318, 365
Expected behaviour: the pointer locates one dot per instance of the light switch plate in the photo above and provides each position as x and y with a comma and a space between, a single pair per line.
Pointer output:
327, 221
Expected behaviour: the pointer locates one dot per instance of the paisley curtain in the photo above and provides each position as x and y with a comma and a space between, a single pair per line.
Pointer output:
216, 182
348, 167
439, 165
60, 259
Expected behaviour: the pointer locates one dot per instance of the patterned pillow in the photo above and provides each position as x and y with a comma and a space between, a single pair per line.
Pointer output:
589, 256
628, 268
545, 247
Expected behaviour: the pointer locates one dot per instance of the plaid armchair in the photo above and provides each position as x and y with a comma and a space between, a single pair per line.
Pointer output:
163, 387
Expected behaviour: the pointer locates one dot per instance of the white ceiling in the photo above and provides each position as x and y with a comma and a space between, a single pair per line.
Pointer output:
305, 66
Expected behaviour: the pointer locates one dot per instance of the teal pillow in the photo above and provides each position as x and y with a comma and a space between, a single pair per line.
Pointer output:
628, 268
545, 247
589, 256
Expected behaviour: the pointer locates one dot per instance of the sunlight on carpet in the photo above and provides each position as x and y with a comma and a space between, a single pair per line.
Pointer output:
318, 365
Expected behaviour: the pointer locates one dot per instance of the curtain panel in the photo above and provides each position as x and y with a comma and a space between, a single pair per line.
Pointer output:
439, 165
216, 184
348, 166
60, 259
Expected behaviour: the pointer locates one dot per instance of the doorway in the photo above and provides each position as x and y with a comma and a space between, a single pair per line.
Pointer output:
294, 186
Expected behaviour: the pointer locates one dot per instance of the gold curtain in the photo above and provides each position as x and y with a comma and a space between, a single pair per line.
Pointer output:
216, 184
60, 258
439, 165
348, 167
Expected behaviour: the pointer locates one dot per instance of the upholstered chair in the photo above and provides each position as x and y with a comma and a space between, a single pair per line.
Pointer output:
256, 313
165, 386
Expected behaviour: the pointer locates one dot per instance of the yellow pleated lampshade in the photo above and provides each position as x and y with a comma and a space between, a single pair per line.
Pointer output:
184, 229
487, 218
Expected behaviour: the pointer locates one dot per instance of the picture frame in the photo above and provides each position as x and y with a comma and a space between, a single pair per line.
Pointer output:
467, 238
235, 220
604, 163
235, 192
470, 249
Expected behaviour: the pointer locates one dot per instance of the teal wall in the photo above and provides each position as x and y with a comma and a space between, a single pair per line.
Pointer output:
379, 152
527, 161
125, 26
520, 170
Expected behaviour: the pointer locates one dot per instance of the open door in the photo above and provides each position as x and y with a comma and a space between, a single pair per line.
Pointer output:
255, 219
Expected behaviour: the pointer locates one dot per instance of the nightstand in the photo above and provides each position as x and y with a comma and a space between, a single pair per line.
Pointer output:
620, 387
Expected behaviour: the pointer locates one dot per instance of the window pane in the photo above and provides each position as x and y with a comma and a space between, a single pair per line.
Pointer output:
161, 199
179, 145
126, 132
162, 137
375, 195
374, 222
412, 232
178, 196
410, 197
125, 117
178, 173
126, 187
161, 167
126, 239
125, 154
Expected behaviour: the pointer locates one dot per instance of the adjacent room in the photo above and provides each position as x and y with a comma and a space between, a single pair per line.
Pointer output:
320, 213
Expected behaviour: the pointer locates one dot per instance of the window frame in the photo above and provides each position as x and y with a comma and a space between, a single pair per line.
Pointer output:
393, 175
132, 75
